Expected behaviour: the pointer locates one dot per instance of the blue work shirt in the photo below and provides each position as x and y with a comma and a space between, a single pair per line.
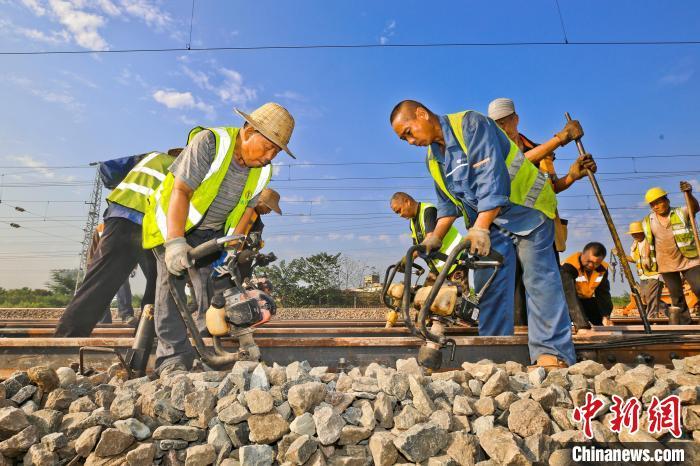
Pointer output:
118, 210
480, 181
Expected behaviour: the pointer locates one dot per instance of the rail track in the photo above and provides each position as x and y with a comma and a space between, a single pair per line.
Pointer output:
346, 343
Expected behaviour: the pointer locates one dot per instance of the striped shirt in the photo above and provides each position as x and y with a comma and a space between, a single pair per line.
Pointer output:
192, 165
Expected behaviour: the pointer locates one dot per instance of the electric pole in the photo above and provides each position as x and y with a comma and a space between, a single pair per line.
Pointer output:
93, 219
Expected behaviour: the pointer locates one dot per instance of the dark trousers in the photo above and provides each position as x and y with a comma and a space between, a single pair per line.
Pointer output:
119, 251
674, 282
583, 311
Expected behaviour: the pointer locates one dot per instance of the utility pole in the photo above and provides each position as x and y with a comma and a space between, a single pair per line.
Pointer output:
93, 219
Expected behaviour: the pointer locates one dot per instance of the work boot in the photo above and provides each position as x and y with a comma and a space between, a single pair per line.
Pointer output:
548, 362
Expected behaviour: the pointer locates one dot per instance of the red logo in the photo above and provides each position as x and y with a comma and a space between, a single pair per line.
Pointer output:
625, 414
665, 414
587, 412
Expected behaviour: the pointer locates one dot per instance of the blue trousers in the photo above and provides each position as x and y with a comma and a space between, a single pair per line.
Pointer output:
549, 325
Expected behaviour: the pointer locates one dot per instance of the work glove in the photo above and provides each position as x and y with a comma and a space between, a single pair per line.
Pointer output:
432, 243
581, 164
176, 256
480, 241
571, 131
686, 187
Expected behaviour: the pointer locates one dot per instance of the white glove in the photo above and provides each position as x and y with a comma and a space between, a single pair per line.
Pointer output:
480, 241
176, 258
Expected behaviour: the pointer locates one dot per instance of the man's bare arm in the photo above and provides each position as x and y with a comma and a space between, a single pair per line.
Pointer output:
178, 209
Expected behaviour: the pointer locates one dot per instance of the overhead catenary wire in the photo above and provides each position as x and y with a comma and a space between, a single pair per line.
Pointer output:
387, 46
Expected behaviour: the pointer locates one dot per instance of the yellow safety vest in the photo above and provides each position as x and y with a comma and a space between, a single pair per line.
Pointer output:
529, 186
142, 181
155, 228
682, 235
449, 242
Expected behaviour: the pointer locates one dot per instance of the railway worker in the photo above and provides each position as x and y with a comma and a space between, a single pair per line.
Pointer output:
650, 284
587, 288
497, 211
119, 249
671, 245
422, 218
211, 190
502, 111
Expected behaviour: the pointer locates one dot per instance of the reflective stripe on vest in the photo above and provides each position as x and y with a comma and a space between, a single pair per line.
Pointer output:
529, 186
585, 284
642, 270
449, 242
155, 226
142, 181
682, 235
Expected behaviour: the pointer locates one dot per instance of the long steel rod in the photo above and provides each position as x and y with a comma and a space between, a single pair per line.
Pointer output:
693, 224
641, 307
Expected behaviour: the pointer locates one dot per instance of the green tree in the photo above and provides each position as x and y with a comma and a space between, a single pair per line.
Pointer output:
62, 281
306, 281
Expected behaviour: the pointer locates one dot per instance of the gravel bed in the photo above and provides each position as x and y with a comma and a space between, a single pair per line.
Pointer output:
282, 314
257, 415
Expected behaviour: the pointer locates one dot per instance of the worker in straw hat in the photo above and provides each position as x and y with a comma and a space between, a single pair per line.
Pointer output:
212, 190
671, 246
650, 284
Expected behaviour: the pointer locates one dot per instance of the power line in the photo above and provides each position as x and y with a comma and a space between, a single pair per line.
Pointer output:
561, 22
254, 48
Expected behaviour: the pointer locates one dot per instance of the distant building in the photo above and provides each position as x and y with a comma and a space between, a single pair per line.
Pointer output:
369, 280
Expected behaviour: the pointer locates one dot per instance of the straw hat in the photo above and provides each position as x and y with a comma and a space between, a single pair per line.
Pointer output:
274, 122
270, 198
635, 227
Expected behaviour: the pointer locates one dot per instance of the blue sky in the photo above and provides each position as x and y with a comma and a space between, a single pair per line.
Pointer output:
68, 110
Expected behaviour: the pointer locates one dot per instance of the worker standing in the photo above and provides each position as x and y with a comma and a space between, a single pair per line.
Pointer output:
587, 287
212, 189
422, 218
502, 111
119, 249
650, 284
482, 175
671, 246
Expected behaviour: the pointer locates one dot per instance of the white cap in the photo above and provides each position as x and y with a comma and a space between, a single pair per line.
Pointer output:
501, 108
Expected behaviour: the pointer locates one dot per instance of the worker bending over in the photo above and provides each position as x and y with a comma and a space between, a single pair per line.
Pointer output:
211, 190
502, 111
119, 249
650, 284
587, 288
671, 245
483, 176
422, 218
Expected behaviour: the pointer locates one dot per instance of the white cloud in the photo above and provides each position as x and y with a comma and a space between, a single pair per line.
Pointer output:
182, 100
173, 99
676, 78
47, 95
108, 7
291, 95
231, 88
82, 25
35, 6
41, 170
388, 32
48, 37
80, 79
83, 20
147, 11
